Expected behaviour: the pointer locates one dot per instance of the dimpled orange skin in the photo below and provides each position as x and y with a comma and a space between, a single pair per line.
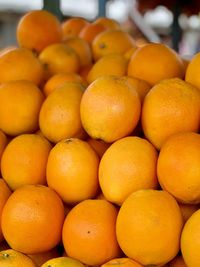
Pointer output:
115, 108
32, 219
38, 29
71, 27
123, 262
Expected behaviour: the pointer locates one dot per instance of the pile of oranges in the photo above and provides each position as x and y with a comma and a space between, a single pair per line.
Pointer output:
99, 148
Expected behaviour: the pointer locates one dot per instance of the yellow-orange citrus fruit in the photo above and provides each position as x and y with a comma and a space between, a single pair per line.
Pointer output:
154, 62
64, 262
13, 258
32, 219
90, 31
178, 261
59, 58
3, 143
128, 54
128, 165
20, 103
59, 80
187, 210
5, 192
149, 226
59, 116
122, 262
179, 165
98, 145
71, 27
20, 64
170, 107
24, 160
38, 29
111, 41
113, 64
113, 103
89, 232
72, 170
82, 48
190, 243
191, 74
108, 23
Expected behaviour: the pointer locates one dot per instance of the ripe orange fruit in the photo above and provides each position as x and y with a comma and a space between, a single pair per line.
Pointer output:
113, 102
98, 145
20, 103
190, 244
108, 23
114, 64
83, 72
20, 64
154, 62
140, 86
13, 258
32, 219
192, 74
41, 258
5, 192
82, 48
128, 165
128, 54
24, 160
38, 29
90, 31
178, 261
64, 262
59, 80
122, 262
179, 165
89, 232
59, 116
3, 143
148, 227
71, 27
187, 210
172, 103
111, 41
72, 170
59, 58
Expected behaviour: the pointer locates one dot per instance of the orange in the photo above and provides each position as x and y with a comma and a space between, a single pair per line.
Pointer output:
59, 116
113, 103
24, 160
64, 262
12, 258
83, 72
170, 107
192, 74
108, 23
5, 192
71, 27
128, 165
128, 54
99, 146
3, 143
37, 29
82, 48
20, 103
179, 166
72, 170
154, 62
187, 210
113, 64
59, 80
111, 41
20, 64
90, 31
32, 219
149, 227
89, 232
178, 261
59, 58
190, 243
122, 262
41, 258
140, 86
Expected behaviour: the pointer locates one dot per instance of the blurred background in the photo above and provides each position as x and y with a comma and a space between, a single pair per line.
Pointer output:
173, 22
